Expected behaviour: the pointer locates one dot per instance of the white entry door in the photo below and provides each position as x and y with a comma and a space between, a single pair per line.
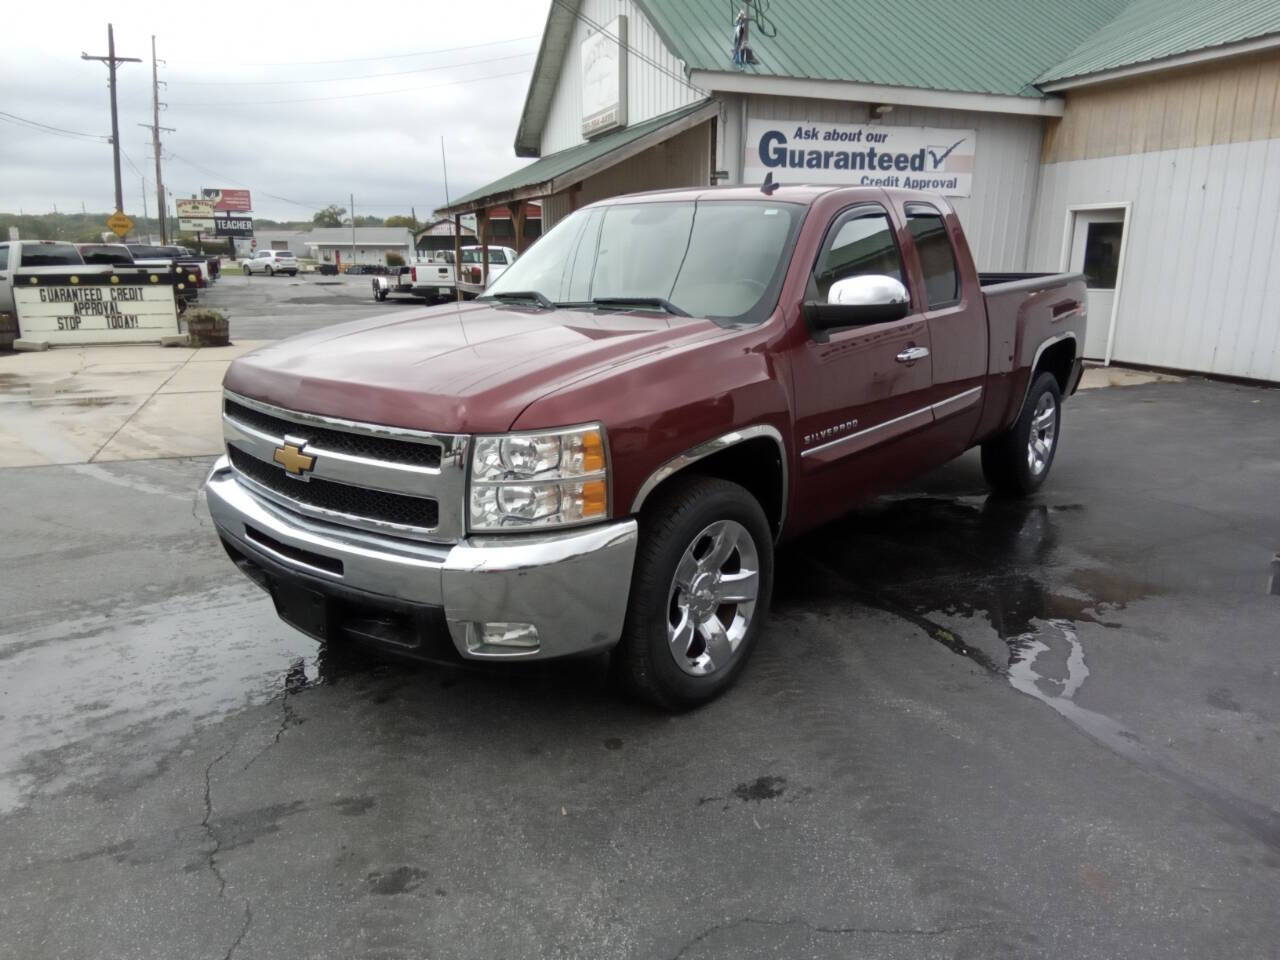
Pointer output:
1095, 252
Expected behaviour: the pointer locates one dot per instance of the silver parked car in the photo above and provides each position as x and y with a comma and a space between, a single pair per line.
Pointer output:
272, 262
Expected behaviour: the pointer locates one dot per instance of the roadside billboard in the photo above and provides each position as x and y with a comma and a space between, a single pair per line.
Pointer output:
194, 216
233, 226
228, 201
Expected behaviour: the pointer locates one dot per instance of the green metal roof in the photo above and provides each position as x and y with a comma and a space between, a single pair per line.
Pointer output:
1154, 29
559, 165
972, 46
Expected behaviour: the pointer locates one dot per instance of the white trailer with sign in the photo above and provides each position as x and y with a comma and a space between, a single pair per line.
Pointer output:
60, 300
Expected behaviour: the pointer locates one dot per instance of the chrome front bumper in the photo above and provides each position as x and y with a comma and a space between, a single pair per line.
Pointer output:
571, 586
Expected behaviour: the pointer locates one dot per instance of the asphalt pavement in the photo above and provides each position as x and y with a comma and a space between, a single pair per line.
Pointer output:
272, 308
974, 728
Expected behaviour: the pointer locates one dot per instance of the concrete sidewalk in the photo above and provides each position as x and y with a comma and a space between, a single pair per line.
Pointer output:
96, 404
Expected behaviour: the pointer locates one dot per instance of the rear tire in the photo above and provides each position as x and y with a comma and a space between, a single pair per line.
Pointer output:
269, 272
1018, 461
699, 593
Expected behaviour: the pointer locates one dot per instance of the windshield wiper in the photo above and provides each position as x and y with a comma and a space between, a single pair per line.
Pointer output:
519, 296
661, 302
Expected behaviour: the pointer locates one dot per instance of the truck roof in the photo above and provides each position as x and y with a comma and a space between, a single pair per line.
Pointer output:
801, 193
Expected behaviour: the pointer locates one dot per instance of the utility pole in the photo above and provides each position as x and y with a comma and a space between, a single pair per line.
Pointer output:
144, 197
353, 228
112, 61
155, 129
155, 140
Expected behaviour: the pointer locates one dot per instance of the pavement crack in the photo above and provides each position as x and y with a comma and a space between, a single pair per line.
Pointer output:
295, 680
212, 834
248, 920
835, 931
195, 506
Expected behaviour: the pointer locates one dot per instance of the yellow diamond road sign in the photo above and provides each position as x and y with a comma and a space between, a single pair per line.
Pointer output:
120, 224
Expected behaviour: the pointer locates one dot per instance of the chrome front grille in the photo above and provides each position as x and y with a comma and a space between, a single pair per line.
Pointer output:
337, 441
403, 483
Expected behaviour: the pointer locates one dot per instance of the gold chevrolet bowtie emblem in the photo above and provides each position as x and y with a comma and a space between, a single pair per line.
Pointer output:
290, 456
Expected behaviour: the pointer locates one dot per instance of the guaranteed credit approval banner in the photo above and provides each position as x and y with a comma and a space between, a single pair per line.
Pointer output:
94, 310
933, 159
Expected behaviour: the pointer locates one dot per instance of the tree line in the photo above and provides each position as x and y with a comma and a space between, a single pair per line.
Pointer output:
89, 227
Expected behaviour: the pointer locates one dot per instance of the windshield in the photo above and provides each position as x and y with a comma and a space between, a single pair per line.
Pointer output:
721, 259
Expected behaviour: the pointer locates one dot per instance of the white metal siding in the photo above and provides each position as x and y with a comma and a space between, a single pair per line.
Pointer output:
996, 217
650, 91
1199, 291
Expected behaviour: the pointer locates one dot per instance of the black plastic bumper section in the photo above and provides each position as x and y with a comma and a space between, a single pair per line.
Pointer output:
334, 614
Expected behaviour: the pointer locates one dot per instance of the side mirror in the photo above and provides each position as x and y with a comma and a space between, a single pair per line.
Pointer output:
859, 301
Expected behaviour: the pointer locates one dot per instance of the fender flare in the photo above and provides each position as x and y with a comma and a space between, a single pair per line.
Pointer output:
715, 445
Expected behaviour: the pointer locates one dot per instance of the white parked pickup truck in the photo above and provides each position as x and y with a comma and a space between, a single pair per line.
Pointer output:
473, 264
59, 299
17, 254
435, 278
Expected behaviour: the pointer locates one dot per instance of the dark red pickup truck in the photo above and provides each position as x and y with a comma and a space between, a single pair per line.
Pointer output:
602, 451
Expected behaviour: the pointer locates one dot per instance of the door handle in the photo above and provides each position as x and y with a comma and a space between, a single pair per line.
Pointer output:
912, 354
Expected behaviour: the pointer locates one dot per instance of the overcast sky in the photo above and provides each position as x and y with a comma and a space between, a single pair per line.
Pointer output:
383, 148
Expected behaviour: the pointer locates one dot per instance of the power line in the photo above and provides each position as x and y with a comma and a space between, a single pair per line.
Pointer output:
309, 204
129, 160
346, 96
397, 56
366, 76
14, 118
215, 173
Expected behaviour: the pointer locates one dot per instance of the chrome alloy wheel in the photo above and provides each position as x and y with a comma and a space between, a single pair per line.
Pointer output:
1044, 431
713, 597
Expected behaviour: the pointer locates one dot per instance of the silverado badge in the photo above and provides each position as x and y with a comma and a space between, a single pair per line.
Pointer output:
290, 456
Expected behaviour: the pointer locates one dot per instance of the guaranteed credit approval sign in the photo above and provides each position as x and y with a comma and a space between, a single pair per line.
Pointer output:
94, 310
933, 159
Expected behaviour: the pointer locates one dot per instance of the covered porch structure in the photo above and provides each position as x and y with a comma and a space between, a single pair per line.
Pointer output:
676, 149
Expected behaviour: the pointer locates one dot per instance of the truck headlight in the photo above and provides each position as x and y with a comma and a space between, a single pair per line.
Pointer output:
547, 478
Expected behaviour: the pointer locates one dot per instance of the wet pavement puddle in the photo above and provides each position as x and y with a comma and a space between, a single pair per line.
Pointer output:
110, 692
925, 559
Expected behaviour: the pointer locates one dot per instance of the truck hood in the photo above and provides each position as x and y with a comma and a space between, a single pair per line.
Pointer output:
453, 369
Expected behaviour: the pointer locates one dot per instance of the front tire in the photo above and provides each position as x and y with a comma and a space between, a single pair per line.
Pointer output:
1017, 462
699, 593
248, 272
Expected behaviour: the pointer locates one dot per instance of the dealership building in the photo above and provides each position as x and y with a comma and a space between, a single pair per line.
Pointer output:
1137, 141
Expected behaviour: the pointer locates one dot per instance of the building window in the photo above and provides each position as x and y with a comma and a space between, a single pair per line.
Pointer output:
937, 258
1102, 255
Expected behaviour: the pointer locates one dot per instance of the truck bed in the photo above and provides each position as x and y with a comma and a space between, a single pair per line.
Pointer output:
1026, 312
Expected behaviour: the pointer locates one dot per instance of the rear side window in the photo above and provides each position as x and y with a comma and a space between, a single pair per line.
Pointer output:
937, 258
4, 258
51, 255
105, 253
862, 244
